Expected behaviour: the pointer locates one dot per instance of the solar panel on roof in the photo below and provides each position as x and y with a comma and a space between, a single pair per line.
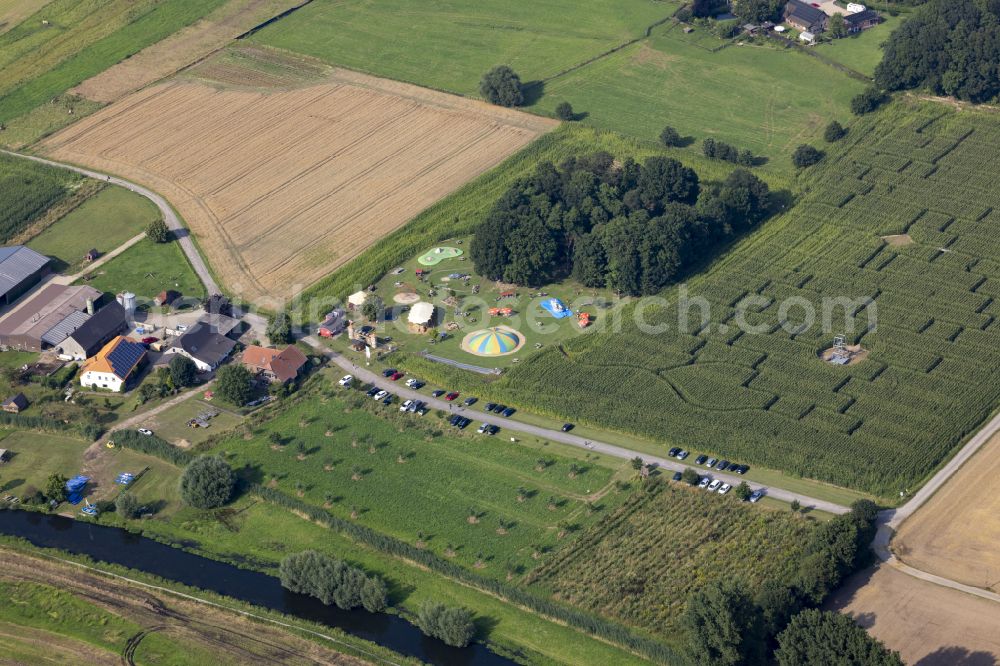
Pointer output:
124, 357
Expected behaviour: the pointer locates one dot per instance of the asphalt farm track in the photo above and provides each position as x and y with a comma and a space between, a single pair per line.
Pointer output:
888, 520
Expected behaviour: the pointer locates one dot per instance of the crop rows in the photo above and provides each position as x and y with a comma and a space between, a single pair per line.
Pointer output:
29, 189
879, 426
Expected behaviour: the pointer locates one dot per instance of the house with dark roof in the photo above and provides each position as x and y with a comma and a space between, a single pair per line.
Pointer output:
21, 268
863, 20
273, 365
805, 17
204, 345
114, 365
15, 404
95, 332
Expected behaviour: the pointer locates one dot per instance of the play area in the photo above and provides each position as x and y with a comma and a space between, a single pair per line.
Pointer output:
495, 341
438, 254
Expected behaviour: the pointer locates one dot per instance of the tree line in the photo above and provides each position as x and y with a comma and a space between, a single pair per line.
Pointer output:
951, 47
631, 227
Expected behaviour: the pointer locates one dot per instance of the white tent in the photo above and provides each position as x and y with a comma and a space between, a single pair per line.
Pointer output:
357, 299
421, 314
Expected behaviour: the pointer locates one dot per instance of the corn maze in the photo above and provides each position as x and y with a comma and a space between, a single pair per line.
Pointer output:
879, 426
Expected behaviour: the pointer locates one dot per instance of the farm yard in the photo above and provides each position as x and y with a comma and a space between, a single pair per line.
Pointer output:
358, 158
642, 563
915, 168
458, 40
67, 42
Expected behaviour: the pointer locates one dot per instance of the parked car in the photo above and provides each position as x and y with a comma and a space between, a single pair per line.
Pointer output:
489, 406
724, 488
389, 372
492, 430
462, 422
346, 380
677, 476
742, 469
380, 395
756, 495
438, 393
508, 412
566, 427
387, 400
372, 391
451, 396
469, 402
711, 462
150, 340
405, 406
395, 376
454, 420
722, 466
712, 487
674, 451
705, 480
682, 455
483, 428
499, 408
145, 431
416, 406
700, 460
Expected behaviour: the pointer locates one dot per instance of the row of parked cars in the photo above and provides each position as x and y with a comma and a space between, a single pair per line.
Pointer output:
711, 463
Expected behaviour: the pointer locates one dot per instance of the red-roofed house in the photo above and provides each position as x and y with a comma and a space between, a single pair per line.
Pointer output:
274, 365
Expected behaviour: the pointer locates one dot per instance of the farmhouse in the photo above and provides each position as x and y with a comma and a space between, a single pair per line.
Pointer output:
204, 345
21, 268
275, 366
420, 317
54, 311
15, 404
805, 17
95, 332
114, 365
862, 20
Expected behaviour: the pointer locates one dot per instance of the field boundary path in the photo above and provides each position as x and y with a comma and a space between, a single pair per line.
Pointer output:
103, 259
169, 216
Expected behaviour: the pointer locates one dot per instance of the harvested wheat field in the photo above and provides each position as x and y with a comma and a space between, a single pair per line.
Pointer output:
956, 534
928, 624
13, 12
281, 186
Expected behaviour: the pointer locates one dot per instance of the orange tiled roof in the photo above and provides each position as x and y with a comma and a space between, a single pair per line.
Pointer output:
119, 357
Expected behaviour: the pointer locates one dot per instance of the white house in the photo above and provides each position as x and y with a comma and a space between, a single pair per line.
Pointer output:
114, 365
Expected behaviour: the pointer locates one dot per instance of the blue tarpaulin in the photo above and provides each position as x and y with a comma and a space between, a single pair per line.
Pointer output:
556, 308
74, 489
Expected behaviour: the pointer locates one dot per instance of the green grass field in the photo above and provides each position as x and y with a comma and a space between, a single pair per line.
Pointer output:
880, 426
403, 477
448, 44
641, 564
27, 190
34, 456
172, 426
146, 269
862, 51
105, 221
756, 97
78, 39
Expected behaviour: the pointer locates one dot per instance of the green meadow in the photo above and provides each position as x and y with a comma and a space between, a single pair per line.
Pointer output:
147, 268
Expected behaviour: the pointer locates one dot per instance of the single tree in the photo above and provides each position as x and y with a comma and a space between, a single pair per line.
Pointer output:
157, 231
834, 132
795, 506
837, 26
373, 307
743, 491
669, 137
867, 101
814, 636
805, 156
183, 371
207, 482
279, 328
126, 505
233, 384
501, 86
690, 476
55, 488
564, 111
452, 625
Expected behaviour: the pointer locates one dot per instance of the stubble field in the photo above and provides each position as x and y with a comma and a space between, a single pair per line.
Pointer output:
281, 186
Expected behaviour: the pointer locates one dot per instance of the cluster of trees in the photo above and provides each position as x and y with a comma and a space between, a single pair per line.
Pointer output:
719, 150
502, 86
453, 625
950, 47
834, 132
233, 383
868, 100
207, 482
180, 373
279, 329
758, 11
158, 232
630, 227
332, 581
806, 155
729, 626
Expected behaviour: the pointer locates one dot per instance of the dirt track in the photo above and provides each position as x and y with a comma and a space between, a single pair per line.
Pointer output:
234, 638
928, 624
956, 534
282, 187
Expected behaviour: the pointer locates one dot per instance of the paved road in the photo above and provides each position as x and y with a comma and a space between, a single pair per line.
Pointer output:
169, 216
401, 390
889, 520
